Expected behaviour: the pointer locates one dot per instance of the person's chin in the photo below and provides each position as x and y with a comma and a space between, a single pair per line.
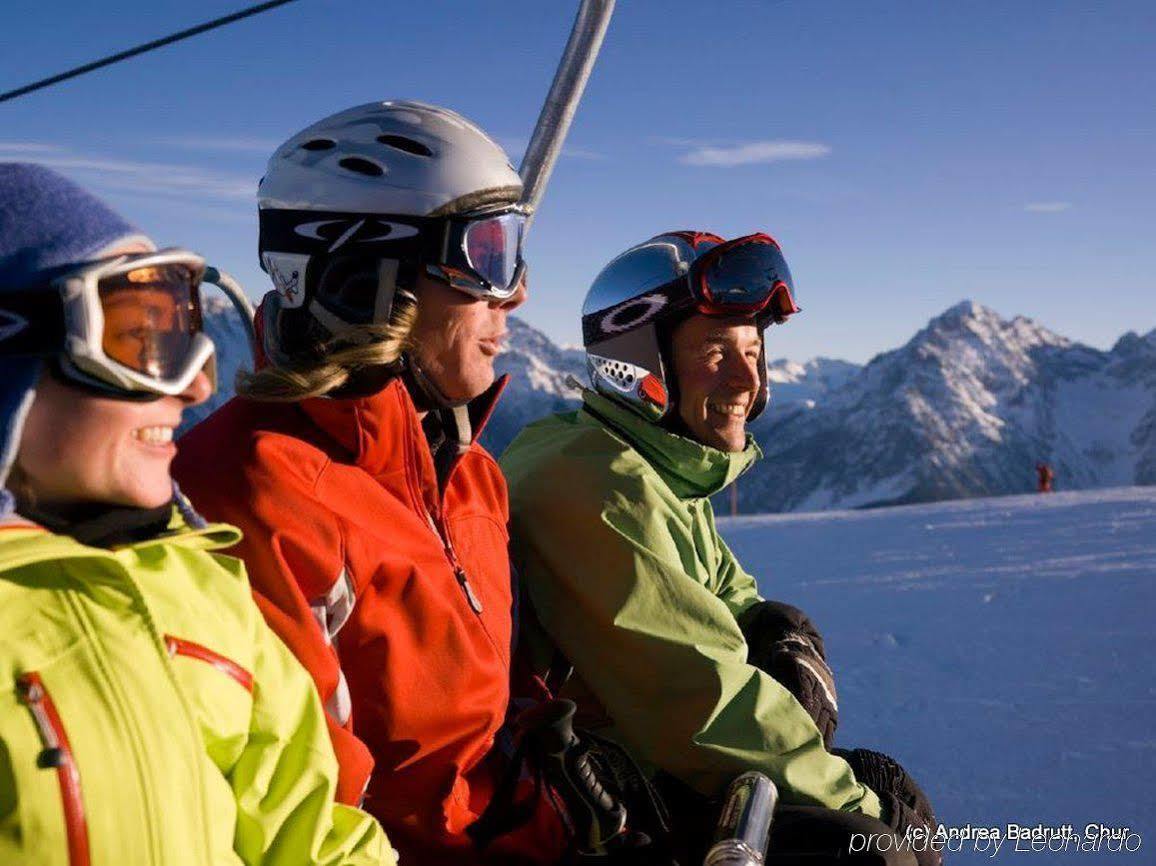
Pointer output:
730, 440
147, 494
481, 377
469, 386
142, 477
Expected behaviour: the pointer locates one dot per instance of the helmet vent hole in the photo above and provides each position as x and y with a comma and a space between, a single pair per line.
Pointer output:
362, 166
319, 144
407, 145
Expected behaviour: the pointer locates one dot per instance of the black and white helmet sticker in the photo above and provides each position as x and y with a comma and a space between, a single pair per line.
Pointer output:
288, 273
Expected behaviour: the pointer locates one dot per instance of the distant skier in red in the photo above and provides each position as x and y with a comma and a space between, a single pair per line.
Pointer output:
1044, 477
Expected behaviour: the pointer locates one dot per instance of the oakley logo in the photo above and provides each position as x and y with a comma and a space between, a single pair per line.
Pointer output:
341, 232
632, 314
11, 324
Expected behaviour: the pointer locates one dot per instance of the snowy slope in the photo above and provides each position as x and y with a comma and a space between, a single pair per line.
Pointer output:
1002, 649
965, 408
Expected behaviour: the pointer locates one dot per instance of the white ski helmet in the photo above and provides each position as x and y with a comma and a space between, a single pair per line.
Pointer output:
638, 298
353, 204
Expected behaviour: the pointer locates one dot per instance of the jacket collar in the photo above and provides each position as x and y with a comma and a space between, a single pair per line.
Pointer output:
381, 431
27, 542
689, 468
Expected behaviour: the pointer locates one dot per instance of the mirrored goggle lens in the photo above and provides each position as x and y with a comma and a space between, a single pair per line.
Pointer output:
151, 315
494, 248
746, 276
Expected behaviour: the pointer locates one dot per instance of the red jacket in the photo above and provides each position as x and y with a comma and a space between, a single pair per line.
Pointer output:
377, 579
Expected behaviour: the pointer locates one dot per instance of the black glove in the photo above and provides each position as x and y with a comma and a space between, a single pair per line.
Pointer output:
905, 806
783, 642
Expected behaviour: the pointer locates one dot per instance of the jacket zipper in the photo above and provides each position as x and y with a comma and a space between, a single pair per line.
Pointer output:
460, 575
179, 647
58, 754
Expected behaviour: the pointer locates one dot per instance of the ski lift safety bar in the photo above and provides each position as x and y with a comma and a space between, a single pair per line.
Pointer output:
562, 101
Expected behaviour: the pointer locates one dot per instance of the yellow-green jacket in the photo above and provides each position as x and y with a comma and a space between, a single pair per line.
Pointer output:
149, 716
615, 540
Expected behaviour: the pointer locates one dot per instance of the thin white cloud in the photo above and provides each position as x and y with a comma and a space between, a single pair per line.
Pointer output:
234, 144
9, 149
1048, 206
137, 176
753, 153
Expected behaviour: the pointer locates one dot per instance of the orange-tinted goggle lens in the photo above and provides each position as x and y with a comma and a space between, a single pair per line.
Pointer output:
151, 315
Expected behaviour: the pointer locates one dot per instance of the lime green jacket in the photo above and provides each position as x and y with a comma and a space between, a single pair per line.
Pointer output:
149, 716
615, 540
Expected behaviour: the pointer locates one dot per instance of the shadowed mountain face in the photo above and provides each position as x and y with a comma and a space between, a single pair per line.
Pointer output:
966, 408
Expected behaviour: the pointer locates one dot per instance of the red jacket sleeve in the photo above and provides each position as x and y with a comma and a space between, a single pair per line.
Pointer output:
295, 555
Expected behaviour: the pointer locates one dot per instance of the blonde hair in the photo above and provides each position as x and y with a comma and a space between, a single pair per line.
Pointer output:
357, 348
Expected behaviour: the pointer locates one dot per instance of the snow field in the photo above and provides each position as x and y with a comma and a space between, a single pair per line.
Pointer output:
1002, 649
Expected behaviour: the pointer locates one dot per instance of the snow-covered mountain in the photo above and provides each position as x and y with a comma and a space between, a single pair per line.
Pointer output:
966, 408
792, 382
538, 370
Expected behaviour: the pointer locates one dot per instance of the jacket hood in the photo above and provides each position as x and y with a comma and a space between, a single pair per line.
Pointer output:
689, 468
17, 390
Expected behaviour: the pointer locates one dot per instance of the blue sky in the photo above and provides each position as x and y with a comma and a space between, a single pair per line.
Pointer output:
906, 154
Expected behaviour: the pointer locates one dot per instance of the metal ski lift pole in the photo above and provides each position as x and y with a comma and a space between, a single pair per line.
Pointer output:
240, 301
562, 101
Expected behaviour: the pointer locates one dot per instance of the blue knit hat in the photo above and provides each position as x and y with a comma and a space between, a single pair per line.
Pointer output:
46, 222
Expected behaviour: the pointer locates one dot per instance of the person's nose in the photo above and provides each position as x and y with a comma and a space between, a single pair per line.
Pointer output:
198, 391
744, 373
515, 300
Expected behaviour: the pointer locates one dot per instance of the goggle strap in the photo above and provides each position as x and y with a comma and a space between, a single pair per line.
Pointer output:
32, 323
312, 232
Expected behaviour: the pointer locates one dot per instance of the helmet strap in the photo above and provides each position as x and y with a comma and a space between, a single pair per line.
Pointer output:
426, 396
663, 336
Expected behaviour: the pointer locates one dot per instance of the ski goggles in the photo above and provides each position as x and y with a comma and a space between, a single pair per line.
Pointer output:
482, 255
130, 324
744, 275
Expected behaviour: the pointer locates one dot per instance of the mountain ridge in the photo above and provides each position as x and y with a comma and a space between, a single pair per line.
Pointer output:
964, 408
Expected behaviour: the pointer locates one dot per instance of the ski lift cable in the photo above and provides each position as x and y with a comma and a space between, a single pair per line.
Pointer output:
141, 49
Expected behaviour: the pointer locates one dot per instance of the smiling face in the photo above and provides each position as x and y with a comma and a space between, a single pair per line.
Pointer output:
457, 337
716, 365
78, 448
